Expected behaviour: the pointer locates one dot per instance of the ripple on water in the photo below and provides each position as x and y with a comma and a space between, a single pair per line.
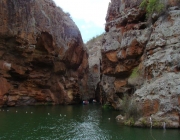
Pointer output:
80, 123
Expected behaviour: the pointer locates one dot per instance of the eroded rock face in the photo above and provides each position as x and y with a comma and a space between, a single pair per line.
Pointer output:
94, 60
133, 42
42, 58
123, 47
160, 92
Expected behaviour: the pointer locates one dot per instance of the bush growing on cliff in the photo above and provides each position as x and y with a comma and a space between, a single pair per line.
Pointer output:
136, 77
130, 108
130, 122
134, 73
94, 39
152, 6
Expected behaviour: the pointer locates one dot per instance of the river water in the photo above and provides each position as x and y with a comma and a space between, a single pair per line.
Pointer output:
78, 122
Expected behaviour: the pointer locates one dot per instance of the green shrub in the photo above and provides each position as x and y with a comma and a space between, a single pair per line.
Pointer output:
144, 122
134, 73
94, 39
130, 122
107, 106
129, 107
156, 124
152, 6
133, 110
136, 78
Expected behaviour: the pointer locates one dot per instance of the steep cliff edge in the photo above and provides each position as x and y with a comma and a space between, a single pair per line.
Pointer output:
42, 59
140, 63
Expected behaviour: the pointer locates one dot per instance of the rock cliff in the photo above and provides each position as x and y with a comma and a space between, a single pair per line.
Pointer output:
140, 62
94, 60
42, 57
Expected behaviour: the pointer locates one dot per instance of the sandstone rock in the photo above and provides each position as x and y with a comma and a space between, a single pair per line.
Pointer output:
4, 88
132, 42
40, 49
112, 56
162, 84
94, 60
122, 48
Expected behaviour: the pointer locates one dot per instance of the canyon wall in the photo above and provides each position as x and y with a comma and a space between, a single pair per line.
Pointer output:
140, 62
94, 60
42, 57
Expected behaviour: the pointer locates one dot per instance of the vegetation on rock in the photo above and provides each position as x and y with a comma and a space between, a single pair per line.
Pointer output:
144, 122
130, 109
93, 40
134, 73
152, 6
136, 77
107, 106
130, 122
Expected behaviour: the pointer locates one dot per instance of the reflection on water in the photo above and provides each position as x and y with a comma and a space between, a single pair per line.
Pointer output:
87, 122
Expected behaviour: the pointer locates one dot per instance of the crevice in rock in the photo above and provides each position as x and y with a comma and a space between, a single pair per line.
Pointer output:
45, 43
120, 95
98, 92
142, 18
142, 26
17, 77
42, 62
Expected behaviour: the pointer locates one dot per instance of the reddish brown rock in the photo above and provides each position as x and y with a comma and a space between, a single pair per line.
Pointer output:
123, 45
150, 107
41, 50
173, 2
4, 89
112, 56
120, 83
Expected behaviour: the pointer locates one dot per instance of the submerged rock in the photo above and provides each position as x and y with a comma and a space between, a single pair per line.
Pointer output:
121, 119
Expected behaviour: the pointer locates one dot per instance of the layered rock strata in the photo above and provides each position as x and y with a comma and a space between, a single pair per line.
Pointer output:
140, 62
42, 57
123, 47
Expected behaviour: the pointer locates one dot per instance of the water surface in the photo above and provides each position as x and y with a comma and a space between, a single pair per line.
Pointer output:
88, 122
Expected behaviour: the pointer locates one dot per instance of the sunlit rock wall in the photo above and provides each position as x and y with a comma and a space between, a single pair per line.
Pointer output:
42, 59
150, 45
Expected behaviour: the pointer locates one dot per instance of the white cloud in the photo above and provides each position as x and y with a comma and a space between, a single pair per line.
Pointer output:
91, 12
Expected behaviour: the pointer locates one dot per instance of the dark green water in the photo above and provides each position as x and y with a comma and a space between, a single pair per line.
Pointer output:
79, 122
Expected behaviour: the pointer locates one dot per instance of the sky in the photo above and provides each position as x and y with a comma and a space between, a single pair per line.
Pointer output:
89, 15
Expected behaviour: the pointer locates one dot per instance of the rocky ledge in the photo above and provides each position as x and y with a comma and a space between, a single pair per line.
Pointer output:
42, 57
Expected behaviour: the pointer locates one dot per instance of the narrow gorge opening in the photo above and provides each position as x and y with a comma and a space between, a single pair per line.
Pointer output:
128, 74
